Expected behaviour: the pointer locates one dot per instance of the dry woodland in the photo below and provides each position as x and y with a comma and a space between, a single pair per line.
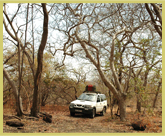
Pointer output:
52, 51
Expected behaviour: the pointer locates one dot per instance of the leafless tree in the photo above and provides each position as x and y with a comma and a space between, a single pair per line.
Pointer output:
96, 28
35, 108
155, 12
15, 36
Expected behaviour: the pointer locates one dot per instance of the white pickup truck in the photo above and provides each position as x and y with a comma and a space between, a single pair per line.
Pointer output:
89, 102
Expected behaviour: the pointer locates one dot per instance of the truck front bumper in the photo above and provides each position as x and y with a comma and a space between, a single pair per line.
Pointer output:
81, 110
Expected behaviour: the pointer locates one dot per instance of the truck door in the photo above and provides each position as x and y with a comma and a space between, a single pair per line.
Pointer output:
98, 104
102, 102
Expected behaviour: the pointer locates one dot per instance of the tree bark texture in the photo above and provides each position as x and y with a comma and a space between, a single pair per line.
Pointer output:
35, 106
122, 107
18, 99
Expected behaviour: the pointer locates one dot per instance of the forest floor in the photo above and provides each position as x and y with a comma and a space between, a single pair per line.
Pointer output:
62, 122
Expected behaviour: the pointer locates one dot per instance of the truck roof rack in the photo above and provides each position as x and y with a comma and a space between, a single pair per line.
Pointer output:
92, 92
91, 89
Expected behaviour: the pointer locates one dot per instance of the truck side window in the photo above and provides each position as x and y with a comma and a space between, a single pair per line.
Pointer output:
104, 97
98, 99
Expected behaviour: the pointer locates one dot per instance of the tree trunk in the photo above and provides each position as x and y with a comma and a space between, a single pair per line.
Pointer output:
136, 90
20, 106
35, 106
138, 105
19, 79
156, 95
122, 107
155, 99
119, 94
18, 99
110, 103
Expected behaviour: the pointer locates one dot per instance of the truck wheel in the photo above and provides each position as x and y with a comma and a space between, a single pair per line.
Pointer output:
103, 112
93, 113
72, 113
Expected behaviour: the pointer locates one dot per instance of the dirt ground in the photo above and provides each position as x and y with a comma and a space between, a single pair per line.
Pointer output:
62, 122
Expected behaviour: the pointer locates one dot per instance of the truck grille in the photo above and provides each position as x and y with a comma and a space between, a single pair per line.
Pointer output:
79, 106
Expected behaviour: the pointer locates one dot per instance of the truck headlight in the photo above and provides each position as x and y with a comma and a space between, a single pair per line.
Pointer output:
72, 105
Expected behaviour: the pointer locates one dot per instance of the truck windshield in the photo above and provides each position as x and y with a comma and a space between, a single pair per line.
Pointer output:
87, 97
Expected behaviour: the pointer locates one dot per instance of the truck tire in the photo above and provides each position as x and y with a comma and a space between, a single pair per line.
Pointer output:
72, 113
103, 112
93, 113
